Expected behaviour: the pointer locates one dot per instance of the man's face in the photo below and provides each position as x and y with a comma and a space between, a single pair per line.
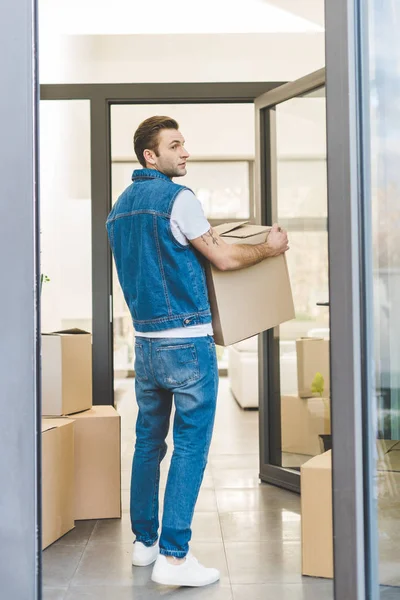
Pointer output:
171, 155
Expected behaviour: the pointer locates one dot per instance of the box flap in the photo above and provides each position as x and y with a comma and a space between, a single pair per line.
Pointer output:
244, 231
321, 461
73, 331
48, 424
226, 227
97, 411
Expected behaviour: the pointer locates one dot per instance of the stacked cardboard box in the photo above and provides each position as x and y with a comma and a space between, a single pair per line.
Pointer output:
93, 491
57, 479
66, 372
312, 358
306, 418
97, 463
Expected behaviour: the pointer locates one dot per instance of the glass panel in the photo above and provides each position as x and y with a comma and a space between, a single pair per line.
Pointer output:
385, 184
223, 187
219, 172
65, 215
302, 209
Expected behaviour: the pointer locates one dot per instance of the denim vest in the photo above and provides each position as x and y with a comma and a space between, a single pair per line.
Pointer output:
163, 282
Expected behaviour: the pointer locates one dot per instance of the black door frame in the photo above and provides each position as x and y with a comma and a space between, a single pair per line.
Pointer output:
267, 205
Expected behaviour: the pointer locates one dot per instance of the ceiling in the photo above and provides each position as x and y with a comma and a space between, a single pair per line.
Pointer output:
130, 17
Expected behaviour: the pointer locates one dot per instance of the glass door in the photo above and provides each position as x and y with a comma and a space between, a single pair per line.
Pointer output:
291, 185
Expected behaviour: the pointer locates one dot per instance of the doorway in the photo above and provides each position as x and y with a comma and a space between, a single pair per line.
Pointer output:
289, 188
100, 102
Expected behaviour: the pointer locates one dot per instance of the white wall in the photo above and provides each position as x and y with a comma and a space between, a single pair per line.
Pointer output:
65, 214
179, 58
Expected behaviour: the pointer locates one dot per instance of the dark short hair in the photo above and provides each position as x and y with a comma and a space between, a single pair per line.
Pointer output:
146, 135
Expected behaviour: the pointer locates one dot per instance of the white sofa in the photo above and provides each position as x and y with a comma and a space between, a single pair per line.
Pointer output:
243, 370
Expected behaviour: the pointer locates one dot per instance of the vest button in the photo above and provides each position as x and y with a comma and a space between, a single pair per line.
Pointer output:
186, 321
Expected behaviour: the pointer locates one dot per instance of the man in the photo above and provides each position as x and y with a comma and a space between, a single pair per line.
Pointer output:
160, 238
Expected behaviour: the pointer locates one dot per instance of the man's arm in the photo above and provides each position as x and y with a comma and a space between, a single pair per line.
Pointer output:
229, 257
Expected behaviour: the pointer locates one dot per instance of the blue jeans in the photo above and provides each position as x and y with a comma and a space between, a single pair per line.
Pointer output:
184, 369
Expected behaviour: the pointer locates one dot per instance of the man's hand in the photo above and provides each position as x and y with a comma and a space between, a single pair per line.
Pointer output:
277, 241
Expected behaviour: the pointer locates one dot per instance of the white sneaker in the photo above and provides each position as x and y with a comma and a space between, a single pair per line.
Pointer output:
189, 573
144, 555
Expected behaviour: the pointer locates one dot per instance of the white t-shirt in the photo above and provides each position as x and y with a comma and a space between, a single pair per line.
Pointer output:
188, 222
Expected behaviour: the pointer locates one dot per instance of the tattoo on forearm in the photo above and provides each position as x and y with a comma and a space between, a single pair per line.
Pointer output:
210, 234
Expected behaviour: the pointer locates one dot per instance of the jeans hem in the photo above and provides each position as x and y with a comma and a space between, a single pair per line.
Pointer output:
145, 541
176, 553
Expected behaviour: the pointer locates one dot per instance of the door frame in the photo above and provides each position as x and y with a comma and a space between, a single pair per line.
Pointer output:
101, 97
266, 214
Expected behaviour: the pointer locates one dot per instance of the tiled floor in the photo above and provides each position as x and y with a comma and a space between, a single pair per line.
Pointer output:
250, 531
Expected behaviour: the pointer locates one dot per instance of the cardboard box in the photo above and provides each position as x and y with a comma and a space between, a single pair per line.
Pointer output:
66, 372
57, 479
316, 516
303, 421
312, 358
97, 463
251, 300
316, 508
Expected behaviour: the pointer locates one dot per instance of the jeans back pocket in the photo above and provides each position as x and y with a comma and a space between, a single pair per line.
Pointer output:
177, 364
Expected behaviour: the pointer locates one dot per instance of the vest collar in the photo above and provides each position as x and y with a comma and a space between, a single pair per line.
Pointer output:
148, 174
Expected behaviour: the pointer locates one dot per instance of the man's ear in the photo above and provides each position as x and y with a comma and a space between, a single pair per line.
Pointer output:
149, 157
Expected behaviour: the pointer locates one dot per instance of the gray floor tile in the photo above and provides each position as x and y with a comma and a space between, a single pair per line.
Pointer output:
113, 531
206, 501
234, 461
264, 562
51, 593
264, 497
235, 478
78, 536
249, 526
125, 500
126, 479
206, 527
238, 445
389, 558
287, 591
109, 564
390, 593
126, 462
60, 563
149, 592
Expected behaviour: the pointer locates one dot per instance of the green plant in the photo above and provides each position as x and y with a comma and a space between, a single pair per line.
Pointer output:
43, 279
318, 383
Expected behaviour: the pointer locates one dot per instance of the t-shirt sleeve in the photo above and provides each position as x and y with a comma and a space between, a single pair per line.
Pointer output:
188, 215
